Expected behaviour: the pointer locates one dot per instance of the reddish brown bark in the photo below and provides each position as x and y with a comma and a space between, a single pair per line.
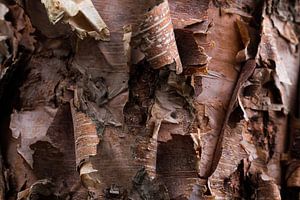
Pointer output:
149, 99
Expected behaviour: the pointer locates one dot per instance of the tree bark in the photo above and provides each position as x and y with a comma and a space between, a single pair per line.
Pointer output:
149, 100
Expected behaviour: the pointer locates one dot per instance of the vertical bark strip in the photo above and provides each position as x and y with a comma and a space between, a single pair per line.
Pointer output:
86, 141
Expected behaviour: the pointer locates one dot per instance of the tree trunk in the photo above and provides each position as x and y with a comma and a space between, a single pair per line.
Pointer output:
149, 100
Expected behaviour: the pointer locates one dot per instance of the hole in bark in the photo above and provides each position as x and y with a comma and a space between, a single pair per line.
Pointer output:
173, 115
273, 92
176, 164
235, 117
250, 90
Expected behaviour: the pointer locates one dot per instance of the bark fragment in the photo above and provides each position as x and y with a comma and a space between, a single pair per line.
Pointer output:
80, 15
156, 38
40, 189
30, 127
6, 33
15, 33
39, 19
86, 141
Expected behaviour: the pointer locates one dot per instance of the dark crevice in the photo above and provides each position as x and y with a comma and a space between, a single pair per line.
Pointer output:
273, 93
142, 83
235, 117
9, 93
248, 188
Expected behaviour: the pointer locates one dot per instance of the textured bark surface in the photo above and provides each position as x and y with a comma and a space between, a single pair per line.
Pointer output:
149, 100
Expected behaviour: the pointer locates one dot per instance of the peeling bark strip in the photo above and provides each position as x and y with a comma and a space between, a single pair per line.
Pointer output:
245, 74
80, 15
156, 38
151, 157
86, 138
86, 141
